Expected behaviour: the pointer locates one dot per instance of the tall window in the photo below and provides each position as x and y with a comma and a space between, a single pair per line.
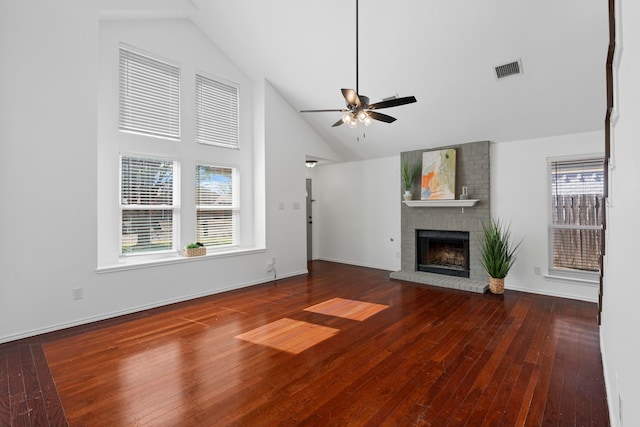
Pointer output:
216, 112
577, 208
148, 205
216, 206
149, 95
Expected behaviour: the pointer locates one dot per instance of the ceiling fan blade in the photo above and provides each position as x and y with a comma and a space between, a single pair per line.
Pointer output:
351, 96
324, 111
338, 123
393, 102
382, 117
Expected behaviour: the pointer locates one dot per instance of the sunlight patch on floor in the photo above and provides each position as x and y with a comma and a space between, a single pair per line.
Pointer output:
292, 336
347, 309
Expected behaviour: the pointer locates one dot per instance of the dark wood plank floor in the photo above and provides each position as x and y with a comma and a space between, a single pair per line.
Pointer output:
255, 356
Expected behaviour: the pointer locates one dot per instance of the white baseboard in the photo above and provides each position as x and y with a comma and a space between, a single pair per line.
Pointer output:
611, 394
359, 264
552, 294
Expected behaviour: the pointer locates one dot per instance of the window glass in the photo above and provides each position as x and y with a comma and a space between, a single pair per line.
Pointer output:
577, 209
147, 203
216, 211
216, 112
149, 95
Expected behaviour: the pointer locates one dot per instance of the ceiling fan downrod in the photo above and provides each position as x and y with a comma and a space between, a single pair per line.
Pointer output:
357, 51
358, 108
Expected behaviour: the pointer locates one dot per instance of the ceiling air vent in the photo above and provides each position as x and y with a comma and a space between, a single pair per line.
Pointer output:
510, 69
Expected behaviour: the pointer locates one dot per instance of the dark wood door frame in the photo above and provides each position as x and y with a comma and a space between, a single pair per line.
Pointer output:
607, 143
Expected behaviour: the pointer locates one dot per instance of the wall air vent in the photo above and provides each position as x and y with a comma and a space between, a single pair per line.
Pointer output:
510, 69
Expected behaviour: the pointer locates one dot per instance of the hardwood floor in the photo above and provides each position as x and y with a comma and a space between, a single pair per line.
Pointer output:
306, 351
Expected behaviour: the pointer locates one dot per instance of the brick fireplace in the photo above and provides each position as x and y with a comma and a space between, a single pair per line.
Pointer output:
472, 171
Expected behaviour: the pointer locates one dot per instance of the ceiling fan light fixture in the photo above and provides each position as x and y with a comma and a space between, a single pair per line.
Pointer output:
367, 121
362, 115
350, 119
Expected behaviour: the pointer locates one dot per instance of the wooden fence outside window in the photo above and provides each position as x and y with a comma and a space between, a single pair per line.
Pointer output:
576, 231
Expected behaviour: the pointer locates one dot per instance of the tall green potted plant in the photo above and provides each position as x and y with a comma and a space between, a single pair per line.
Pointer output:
497, 253
409, 175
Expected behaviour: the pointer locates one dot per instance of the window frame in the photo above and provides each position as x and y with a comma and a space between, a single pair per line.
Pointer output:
591, 277
175, 207
206, 137
234, 207
131, 122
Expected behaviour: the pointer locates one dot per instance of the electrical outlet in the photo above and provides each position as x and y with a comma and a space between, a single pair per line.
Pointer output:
269, 267
536, 270
77, 293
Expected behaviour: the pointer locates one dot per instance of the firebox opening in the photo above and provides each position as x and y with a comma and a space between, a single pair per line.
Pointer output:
443, 252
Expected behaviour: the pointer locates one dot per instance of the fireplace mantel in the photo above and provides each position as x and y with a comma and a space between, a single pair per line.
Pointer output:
441, 203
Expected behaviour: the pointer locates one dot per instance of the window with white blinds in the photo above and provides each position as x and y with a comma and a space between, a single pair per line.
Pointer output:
148, 205
149, 96
216, 112
216, 210
577, 208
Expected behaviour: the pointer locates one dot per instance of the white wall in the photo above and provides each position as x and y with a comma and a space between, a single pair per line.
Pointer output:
47, 129
621, 316
358, 206
48, 183
519, 194
289, 141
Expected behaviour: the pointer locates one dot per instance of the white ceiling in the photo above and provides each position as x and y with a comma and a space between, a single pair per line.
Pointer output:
442, 52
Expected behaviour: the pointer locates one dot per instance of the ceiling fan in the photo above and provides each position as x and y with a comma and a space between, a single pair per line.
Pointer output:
358, 107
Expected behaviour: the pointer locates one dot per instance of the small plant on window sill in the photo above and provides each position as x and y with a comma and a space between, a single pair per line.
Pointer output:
194, 249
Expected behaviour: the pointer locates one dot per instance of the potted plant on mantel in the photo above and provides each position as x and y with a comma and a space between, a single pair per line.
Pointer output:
409, 175
497, 253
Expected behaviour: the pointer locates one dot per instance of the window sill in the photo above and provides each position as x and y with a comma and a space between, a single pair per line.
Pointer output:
174, 258
572, 279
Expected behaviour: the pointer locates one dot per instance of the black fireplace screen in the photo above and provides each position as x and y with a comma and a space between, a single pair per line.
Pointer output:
443, 252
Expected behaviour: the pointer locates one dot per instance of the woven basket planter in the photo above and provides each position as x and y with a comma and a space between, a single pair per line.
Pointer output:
189, 252
496, 286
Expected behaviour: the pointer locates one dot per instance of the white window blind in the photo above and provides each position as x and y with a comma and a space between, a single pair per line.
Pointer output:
215, 208
577, 209
217, 112
147, 203
149, 95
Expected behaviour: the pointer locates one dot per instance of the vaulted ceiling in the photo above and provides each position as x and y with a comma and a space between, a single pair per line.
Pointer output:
442, 52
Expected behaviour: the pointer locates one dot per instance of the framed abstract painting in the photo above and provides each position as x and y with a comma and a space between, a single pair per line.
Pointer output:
438, 175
